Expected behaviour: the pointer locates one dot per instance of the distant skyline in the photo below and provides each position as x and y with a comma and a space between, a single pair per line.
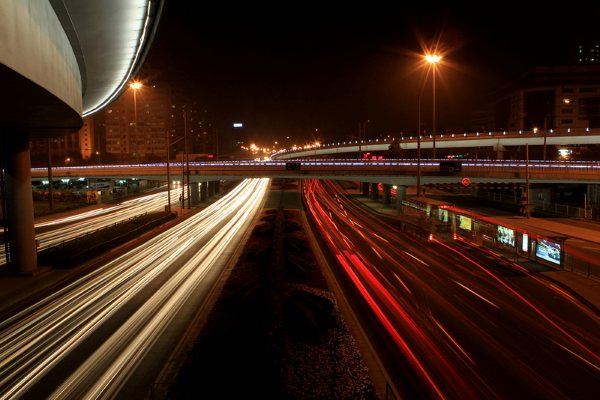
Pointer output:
315, 73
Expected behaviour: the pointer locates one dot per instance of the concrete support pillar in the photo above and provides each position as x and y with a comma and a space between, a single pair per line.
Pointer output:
387, 193
364, 187
499, 149
593, 194
203, 191
211, 188
19, 205
400, 195
194, 193
374, 191
217, 187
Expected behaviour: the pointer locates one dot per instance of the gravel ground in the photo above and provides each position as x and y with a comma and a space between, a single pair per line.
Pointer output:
252, 346
329, 369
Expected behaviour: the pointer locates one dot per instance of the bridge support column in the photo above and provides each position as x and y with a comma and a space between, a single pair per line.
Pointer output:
364, 187
387, 193
194, 193
499, 149
203, 191
400, 195
374, 191
211, 188
593, 200
19, 206
217, 187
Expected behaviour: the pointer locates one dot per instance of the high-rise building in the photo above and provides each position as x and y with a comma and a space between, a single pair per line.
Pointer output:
588, 53
545, 98
59, 150
136, 124
134, 128
86, 138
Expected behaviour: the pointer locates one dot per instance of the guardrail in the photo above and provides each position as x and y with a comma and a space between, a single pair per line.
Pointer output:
536, 136
516, 170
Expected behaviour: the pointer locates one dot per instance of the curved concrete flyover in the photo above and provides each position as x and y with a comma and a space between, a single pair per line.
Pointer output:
59, 61
399, 171
498, 141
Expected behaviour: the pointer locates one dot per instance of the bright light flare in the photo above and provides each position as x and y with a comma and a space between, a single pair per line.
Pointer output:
433, 58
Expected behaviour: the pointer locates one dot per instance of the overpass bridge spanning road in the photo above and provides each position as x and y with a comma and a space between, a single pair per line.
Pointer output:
396, 172
61, 60
498, 143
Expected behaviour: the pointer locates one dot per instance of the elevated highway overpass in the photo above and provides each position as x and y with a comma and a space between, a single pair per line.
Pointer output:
395, 172
500, 144
60, 60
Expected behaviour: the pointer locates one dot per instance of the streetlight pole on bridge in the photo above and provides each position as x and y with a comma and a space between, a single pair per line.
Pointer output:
135, 86
433, 59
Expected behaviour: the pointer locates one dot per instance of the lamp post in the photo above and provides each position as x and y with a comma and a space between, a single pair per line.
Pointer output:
419, 133
169, 169
419, 142
362, 133
135, 86
168, 172
527, 183
187, 160
359, 141
433, 59
50, 180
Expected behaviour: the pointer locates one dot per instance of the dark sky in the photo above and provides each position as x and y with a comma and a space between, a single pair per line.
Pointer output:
293, 68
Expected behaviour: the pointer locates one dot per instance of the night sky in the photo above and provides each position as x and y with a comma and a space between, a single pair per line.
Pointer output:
316, 72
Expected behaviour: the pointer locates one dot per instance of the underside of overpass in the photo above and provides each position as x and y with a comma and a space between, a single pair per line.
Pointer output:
60, 60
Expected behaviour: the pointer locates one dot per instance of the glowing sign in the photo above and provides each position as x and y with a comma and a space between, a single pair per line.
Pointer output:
464, 222
525, 243
443, 215
506, 236
238, 125
547, 250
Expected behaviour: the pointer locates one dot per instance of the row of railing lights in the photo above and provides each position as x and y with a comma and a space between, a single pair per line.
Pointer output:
317, 144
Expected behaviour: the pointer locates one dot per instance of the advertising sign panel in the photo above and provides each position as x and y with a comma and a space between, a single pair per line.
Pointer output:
547, 250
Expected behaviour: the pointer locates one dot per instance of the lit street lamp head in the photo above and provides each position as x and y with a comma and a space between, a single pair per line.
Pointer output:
135, 85
433, 58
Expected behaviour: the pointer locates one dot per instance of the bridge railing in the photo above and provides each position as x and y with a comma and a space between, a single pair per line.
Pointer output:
446, 136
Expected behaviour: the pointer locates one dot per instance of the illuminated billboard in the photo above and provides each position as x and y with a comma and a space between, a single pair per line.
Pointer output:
525, 243
464, 222
443, 215
506, 236
547, 250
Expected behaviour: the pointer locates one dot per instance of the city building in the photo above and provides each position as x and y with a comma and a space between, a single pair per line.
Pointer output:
588, 53
134, 128
136, 124
59, 150
86, 138
544, 98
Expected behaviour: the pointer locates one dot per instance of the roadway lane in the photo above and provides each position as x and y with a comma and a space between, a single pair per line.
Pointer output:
54, 230
94, 335
450, 322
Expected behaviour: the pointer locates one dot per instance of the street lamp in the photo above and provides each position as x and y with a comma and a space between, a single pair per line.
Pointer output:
169, 169
362, 133
433, 59
168, 172
419, 142
135, 86
187, 160
419, 133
